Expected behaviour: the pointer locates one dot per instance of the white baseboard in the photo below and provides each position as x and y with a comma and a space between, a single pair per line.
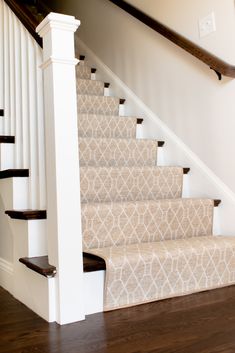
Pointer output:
201, 181
6, 275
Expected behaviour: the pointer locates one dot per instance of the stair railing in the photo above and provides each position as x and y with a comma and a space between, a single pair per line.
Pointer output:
38, 95
22, 100
218, 65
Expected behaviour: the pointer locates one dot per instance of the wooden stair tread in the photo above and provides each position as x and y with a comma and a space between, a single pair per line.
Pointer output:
1, 112
27, 214
7, 139
40, 265
93, 263
14, 173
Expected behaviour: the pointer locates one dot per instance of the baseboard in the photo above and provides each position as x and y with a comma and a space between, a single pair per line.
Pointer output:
6, 275
202, 181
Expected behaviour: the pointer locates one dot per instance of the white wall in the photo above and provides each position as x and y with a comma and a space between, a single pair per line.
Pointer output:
183, 92
6, 240
183, 15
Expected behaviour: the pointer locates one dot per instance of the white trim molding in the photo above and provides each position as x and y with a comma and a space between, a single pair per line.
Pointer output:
6, 274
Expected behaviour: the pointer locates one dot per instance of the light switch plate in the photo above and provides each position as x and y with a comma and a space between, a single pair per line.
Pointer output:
207, 25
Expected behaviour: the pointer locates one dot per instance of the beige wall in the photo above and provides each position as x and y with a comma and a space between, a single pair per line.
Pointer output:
6, 241
183, 92
183, 15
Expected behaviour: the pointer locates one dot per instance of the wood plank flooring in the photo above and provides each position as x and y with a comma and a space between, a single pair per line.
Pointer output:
199, 323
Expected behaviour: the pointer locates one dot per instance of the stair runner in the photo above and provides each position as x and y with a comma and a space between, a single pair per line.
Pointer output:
155, 244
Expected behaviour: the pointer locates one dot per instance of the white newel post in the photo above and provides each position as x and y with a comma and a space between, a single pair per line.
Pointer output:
62, 164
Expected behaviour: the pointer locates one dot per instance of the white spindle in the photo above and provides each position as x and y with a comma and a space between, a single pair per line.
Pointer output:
18, 105
1, 68
41, 131
22, 100
6, 71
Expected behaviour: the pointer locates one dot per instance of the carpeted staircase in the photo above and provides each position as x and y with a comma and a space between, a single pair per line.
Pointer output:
155, 244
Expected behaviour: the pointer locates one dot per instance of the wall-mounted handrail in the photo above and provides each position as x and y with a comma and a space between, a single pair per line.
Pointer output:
218, 65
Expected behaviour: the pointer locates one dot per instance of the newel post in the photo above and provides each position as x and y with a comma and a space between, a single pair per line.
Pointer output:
62, 164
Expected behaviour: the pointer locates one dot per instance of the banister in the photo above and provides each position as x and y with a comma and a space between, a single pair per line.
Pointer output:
25, 16
218, 65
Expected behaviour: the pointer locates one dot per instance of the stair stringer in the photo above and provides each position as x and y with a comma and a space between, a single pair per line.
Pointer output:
29, 239
202, 182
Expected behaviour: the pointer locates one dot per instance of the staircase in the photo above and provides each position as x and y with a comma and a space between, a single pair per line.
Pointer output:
141, 240
152, 243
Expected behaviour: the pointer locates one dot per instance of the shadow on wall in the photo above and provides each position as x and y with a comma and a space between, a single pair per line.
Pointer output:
6, 238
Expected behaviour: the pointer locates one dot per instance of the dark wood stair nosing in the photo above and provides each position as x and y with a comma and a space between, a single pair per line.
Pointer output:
27, 214
40, 265
82, 57
1, 112
93, 70
122, 101
106, 84
92, 263
14, 173
139, 121
7, 139
161, 143
217, 203
186, 170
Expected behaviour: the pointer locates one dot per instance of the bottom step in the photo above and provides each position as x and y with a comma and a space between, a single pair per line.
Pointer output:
91, 263
40, 265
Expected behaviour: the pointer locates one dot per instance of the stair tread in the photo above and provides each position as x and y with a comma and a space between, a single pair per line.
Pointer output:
26, 214
7, 139
174, 267
14, 173
40, 265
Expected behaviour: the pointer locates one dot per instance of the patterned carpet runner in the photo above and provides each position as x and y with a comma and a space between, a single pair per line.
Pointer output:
155, 244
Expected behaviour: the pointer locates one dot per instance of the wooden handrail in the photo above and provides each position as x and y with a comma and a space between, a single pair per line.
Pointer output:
218, 65
26, 17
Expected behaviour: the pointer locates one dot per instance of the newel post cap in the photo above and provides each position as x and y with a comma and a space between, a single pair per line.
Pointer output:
57, 21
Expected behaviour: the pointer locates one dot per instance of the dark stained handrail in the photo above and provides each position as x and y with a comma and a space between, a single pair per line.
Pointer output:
218, 65
26, 17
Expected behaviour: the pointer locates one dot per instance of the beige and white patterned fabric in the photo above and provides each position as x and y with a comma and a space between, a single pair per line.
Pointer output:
156, 245
98, 105
117, 152
146, 272
90, 87
83, 71
106, 126
102, 184
123, 223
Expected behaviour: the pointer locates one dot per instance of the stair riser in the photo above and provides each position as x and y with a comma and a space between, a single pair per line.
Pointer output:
83, 72
130, 184
100, 126
115, 153
112, 224
98, 105
90, 87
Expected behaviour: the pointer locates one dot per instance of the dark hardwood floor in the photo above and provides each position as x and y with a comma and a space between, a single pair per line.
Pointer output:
199, 323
